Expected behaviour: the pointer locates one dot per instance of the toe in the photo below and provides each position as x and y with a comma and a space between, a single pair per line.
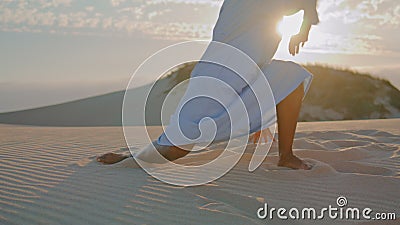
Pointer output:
306, 166
100, 159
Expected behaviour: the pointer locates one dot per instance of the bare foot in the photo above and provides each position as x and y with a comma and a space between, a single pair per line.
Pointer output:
293, 162
111, 158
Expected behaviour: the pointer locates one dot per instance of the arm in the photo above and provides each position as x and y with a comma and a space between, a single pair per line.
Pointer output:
299, 39
310, 18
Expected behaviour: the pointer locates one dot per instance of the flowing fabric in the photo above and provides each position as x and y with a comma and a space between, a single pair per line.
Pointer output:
249, 26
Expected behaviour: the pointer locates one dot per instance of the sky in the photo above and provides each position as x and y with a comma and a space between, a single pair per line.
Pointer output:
53, 51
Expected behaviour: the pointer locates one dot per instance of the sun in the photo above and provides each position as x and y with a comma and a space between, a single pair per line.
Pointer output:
290, 25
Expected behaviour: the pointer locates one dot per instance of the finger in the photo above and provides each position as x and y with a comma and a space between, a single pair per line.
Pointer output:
298, 49
302, 44
254, 137
257, 137
294, 51
255, 141
291, 48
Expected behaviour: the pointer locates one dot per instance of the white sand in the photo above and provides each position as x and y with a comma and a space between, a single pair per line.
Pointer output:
49, 176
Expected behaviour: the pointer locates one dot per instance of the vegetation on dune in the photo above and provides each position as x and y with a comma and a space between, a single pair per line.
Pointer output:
352, 94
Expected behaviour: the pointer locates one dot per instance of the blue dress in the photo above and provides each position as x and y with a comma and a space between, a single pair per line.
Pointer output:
249, 26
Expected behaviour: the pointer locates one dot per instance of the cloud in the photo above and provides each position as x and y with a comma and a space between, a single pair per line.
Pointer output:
371, 13
89, 8
116, 3
177, 19
54, 3
359, 25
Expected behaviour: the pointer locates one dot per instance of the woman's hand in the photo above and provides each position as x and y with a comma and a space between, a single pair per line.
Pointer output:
296, 41
265, 134
299, 39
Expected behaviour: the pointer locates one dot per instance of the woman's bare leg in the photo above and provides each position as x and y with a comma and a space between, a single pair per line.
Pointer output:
170, 153
287, 114
111, 158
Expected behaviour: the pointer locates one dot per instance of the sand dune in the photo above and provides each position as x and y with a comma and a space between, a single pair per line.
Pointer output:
375, 98
49, 176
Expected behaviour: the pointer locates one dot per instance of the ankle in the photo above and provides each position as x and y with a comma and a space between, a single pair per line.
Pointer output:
283, 156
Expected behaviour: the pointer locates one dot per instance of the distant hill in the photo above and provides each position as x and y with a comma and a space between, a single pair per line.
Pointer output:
342, 94
335, 94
